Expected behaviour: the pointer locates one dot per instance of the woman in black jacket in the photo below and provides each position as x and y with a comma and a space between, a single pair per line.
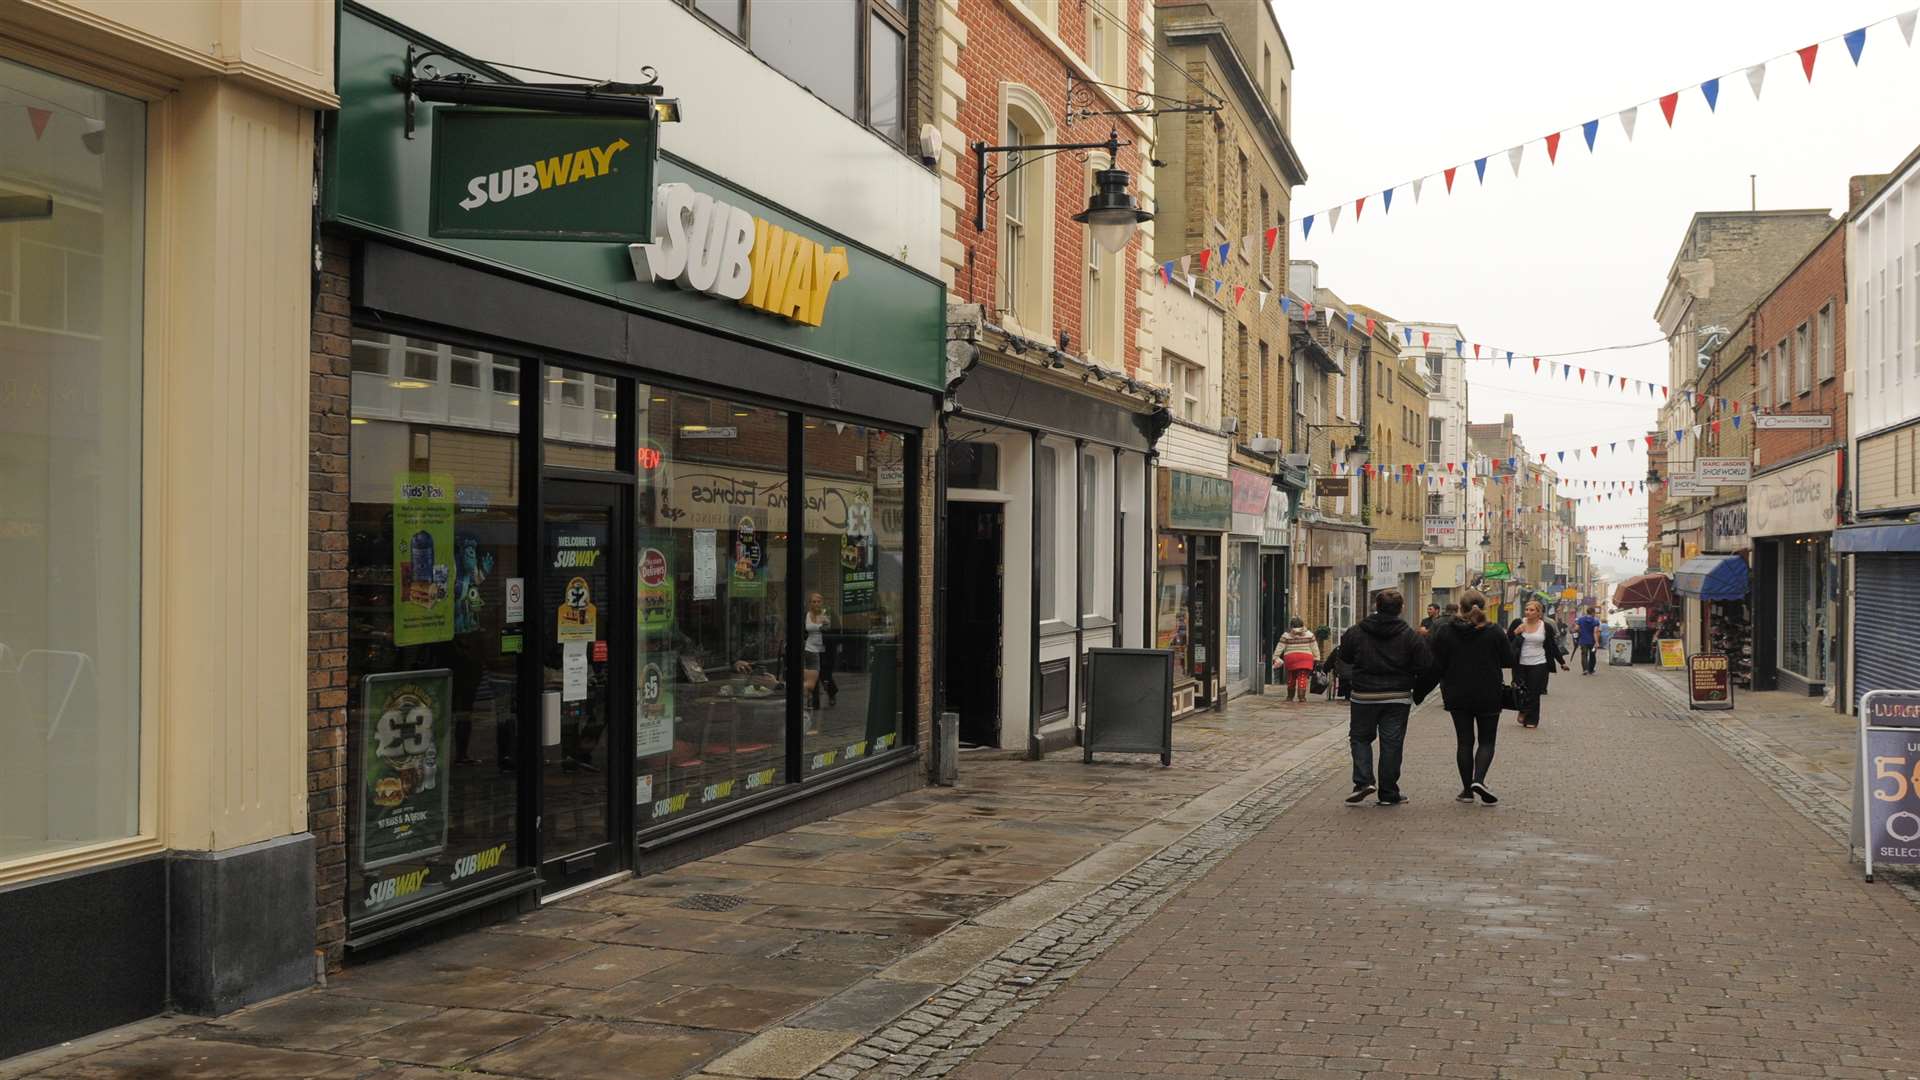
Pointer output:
1470, 658
1536, 650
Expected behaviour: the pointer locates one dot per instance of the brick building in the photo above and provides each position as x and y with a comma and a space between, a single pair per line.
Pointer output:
1052, 354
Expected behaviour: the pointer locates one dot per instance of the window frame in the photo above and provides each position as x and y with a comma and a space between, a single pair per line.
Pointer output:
1782, 378
1803, 359
1823, 342
866, 11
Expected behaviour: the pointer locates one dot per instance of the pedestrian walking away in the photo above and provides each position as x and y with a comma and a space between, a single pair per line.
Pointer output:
1470, 658
1536, 650
1385, 657
1587, 638
1297, 653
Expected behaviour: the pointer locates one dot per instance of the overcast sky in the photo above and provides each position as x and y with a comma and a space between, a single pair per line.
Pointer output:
1572, 255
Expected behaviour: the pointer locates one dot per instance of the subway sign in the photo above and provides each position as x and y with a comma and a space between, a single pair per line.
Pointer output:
514, 174
705, 245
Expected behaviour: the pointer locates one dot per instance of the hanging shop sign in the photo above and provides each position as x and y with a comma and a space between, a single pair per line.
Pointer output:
1391, 563
512, 174
825, 297
1497, 571
1722, 471
1339, 548
1279, 507
1685, 483
1886, 799
1727, 529
1250, 492
1196, 502
406, 722
1801, 498
1443, 530
1709, 682
422, 559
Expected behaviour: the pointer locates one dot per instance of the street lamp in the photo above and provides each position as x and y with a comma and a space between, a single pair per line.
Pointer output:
1623, 549
1111, 215
1357, 450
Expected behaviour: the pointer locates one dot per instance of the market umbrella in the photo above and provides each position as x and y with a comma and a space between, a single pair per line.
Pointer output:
1645, 591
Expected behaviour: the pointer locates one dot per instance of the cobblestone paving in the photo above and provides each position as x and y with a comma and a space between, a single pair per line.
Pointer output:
1642, 903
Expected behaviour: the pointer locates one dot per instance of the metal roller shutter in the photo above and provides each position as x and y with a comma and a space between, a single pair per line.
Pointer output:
1886, 609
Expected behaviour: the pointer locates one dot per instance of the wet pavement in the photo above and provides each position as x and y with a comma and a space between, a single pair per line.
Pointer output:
764, 961
1642, 902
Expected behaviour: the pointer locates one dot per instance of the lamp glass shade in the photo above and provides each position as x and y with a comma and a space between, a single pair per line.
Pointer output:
1111, 231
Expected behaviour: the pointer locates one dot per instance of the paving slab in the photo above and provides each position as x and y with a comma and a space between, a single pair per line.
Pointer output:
725, 1007
696, 935
604, 967
946, 958
783, 1054
594, 1050
1037, 906
450, 1037
310, 1021
866, 1005
174, 1056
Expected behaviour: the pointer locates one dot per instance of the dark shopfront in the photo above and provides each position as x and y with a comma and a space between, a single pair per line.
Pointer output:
591, 628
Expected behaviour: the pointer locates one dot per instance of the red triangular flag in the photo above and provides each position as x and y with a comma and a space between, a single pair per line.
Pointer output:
1663, 391
1536, 365
1359, 204
1476, 350
1595, 448
1716, 427
1806, 59
1543, 457
1424, 336
1667, 103
1449, 175
1449, 466
1649, 442
1583, 374
38, 118
1273, 235
1238, 292
1369, 327
1205, 254
1553, 148
1306, 312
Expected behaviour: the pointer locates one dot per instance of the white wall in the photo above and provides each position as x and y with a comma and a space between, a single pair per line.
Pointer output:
743, 120
1194, 330
1883, 306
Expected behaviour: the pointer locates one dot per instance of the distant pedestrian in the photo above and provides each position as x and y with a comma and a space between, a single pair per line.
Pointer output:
1587, 637
1385, 657
1470, 658
1297, 654
1434, 618
1536, 649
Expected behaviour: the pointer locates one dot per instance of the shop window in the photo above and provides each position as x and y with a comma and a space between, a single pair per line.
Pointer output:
836, 49
714, 527
1172, 617
70, 376
1048, 530
371, 352
1095, 542
465, 368
506, 377
1826, 342
579, 421
855, 652
433, 649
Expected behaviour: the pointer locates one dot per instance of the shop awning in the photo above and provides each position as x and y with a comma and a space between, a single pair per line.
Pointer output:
1889, 539
1645, 591
1712, 577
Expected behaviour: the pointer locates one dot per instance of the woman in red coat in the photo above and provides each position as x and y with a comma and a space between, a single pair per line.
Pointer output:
1297, 652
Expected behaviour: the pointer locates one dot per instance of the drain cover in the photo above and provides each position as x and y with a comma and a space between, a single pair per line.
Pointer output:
707, 901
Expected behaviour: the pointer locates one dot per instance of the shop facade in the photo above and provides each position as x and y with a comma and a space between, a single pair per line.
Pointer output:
1246, 668
1195, 514
155, 256
1336, 569
635, 533
1397, 567
1792, 512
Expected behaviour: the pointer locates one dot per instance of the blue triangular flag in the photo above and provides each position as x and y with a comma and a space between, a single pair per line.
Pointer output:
1217, 286
1223, 252
1386, 201
1349, 321
1169, 269
1855, 42
1286, 306
1590, 129
1306, 226
1563, 455
1711, 88
1459, 347
1680, 435
1480, 166
1509, 361
1408, 330
1736, 421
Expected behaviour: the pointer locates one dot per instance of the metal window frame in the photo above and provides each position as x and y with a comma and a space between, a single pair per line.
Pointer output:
900, 21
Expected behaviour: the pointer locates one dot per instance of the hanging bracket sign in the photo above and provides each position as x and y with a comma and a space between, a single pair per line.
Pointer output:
514, 174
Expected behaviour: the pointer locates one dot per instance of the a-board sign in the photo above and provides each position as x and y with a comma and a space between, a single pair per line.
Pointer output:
1620, 651
1887, 785
1130, 702
1709, 681
1673, 653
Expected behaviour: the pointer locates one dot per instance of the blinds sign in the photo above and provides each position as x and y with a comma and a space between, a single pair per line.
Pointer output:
704, 245
511, 174
1886, 802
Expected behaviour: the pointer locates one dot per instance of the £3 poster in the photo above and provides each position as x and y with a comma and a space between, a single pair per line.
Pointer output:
406, 754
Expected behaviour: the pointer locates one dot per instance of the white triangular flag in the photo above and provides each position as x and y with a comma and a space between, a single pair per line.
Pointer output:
1906, 24
1189, 284
1186, 265
1416, 188
1513, 157
1333, 218
1263, 301
1627, 117
1756, 75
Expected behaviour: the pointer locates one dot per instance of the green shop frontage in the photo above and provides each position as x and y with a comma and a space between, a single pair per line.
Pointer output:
633, 522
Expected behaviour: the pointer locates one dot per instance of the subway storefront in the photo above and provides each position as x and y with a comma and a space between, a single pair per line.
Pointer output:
629, 469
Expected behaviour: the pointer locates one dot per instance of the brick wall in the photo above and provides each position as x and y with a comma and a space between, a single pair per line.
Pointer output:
1819, 280
327, 598
1002, 46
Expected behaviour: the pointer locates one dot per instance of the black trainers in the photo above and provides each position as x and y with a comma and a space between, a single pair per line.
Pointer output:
1466, 795
1393, 800
1360, 794
1486, 796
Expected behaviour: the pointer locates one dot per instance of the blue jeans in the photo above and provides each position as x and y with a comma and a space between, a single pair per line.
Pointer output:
1389, 722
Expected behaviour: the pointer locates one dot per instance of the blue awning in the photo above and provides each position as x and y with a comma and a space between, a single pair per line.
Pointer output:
1712, 577
1858, 539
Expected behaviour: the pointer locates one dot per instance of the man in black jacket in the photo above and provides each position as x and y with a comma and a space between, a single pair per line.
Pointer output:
1386, 657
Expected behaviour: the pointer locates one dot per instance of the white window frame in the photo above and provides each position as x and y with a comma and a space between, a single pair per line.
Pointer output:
1025, 292
1803, 359
1782, 384
1097, 542
1825, 341
1186, 384
1106, 46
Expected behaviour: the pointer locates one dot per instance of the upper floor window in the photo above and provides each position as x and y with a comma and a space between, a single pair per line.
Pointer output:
1266, 70
1436, 435
1102, 297
1436, 364
1802, 360
1782, 388
1826, 342
1024, 204
1188, 385
1105, 48
1046, 11
850, 54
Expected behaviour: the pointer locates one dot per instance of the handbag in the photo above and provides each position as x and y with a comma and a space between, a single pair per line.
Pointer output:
1516, 696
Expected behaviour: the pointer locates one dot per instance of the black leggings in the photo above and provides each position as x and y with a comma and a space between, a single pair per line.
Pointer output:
1474, 763
1535, 676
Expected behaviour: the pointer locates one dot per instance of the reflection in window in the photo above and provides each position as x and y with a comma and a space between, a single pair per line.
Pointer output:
712, 551
1171, 613
580, 431
433, 653
853, 651
70, 381
816, 44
